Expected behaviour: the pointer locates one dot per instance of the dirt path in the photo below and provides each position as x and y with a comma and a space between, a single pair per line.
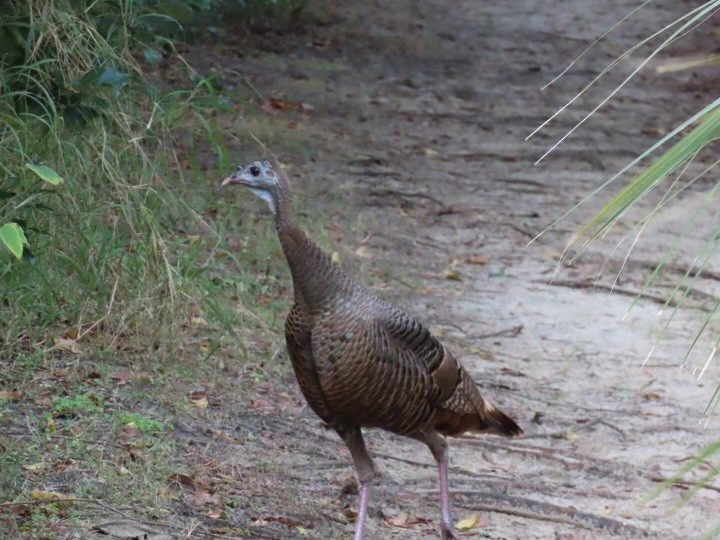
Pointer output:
417, 117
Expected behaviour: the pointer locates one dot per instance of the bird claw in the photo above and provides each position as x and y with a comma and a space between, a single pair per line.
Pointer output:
449, 532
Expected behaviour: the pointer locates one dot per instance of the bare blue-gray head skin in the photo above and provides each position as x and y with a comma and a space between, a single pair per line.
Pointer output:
262, 179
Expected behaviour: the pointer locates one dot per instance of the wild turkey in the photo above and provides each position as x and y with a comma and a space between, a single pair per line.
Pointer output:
361, 361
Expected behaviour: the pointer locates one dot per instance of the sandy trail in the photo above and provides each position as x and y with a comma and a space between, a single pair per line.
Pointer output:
419, 112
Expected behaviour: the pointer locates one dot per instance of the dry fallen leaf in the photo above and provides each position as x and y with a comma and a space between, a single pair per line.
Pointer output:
363, 251
198, 394
453, 275
14, 394
64, 465
466, 523
348, 512
130, 430
177, 479
651, 395
477, 259
335, 257
472, 521
198, 321
35, 466
50, 424
201, 497
72, 333
281, 104
201, 403
403, 520
215, 513
290, 522
61, 373
259, 403
69, 345
40, 495
123, 376
205, 345
398, 520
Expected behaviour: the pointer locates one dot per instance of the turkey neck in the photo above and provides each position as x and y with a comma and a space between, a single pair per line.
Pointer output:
316, 279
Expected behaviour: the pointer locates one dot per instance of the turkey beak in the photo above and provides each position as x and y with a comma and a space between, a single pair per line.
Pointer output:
232, 179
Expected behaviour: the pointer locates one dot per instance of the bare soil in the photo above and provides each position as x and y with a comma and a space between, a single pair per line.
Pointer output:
417, 113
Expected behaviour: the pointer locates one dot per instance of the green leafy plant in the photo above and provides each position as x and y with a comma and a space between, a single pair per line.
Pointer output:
143, 423
12, 235
86, 402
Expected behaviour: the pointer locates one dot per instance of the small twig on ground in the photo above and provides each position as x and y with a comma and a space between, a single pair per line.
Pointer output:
609, 425
407, 194
402, 282
453, 470
19, 433
590, 284
684, 484
40, 502
451, 325
367, 172
571, 460
540, 510
580, 427
704, 273
522, 395
522, 230
320, 465
571, 516
331, 517
558, 35
403, 460
199, 534
513, 331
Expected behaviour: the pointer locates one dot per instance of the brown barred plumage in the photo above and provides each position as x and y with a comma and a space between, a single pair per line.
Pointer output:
360, 361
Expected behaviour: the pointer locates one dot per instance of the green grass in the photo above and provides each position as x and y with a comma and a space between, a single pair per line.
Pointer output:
126, 250
139, 281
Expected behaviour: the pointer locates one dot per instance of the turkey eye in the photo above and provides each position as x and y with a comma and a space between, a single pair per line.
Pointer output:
255, 170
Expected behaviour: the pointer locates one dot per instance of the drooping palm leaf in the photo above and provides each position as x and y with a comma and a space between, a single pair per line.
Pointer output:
703, 134
701, 129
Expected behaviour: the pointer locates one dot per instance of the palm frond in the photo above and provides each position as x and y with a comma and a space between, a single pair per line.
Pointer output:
686, 148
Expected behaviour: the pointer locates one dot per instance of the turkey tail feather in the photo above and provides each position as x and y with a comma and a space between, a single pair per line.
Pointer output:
500, 423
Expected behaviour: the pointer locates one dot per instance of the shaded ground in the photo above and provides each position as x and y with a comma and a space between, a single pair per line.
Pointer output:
414, 116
